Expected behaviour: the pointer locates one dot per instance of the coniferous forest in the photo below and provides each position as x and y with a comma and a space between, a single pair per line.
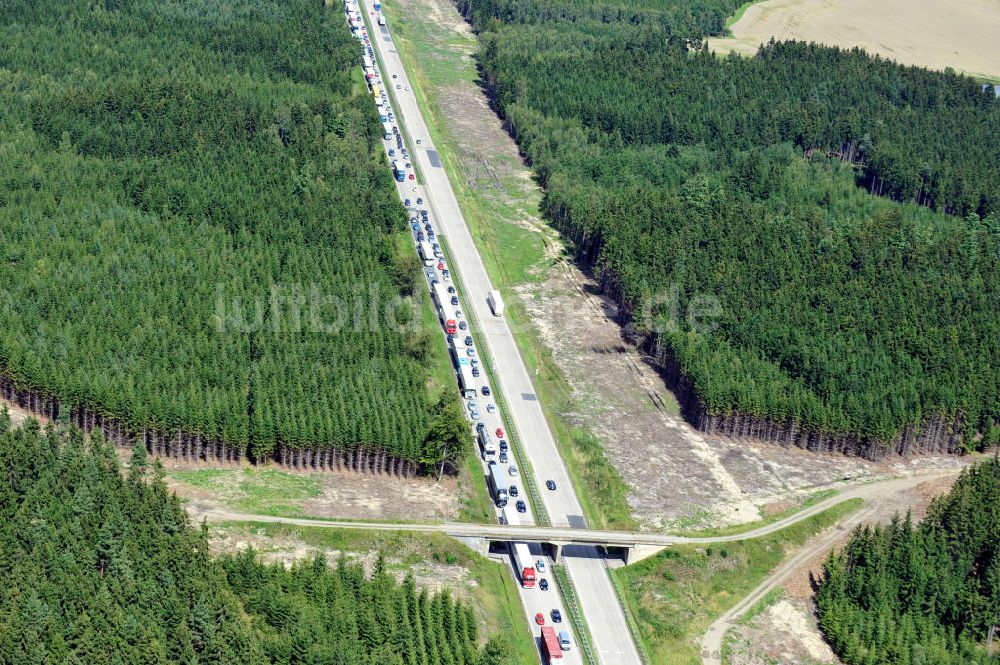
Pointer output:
838, 212
906, 595
101, 567
168, 172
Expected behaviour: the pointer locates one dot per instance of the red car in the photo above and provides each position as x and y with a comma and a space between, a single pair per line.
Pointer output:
540, 619
499, 432
440, 265
411, 177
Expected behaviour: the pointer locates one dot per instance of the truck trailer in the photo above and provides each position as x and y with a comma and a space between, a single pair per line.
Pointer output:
487, 447
551, 651
497, 484
399, 171
426, 253
525, 567
495, 302
466, 382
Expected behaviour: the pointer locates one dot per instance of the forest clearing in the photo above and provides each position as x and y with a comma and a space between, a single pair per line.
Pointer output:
960, 35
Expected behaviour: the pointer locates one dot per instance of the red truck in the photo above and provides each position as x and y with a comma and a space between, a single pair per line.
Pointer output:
450, 326
524, 564
551, 651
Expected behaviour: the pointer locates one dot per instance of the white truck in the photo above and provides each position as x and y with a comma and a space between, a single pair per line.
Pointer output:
495, 302
466, 381
524, 564
487, 447
381, 19
427, 253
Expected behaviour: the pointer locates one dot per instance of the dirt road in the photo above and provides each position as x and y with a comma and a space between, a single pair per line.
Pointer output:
881, 499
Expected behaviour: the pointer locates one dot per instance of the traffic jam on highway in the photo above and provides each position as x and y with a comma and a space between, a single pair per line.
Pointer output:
500, 469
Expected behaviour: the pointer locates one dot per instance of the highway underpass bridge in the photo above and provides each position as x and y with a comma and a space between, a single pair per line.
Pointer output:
630, 547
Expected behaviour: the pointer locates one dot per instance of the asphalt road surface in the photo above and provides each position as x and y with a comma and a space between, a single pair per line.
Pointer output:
599, 603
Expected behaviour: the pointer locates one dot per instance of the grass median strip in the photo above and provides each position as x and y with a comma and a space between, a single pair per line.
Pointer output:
572, 605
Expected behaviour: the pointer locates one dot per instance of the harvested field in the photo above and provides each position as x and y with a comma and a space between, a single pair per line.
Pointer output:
936, 35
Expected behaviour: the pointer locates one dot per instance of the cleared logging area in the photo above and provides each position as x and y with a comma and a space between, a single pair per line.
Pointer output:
199, 237
804, 240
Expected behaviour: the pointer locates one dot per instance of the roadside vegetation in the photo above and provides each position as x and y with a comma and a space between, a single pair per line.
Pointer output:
515, 252
486, 586
202, 237
674, 596
929, 593
835, 216
101, 566
735, 529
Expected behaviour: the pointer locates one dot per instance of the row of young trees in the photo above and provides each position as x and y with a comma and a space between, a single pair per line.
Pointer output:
199, 234
100, 567
907, 595
678, 176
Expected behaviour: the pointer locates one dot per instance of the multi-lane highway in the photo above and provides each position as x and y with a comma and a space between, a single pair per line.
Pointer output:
445, 221
599, 603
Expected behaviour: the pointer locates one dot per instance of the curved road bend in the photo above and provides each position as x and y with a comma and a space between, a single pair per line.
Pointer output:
877, 496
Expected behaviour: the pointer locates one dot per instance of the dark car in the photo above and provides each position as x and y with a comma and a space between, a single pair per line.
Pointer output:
480, 427
420, 200
475, 372
512, 490
462, 325
420, 236
468, 340
486, 390
543, 584
454, 300
406, 202
503, 444
451, 289
556, 616
521, 506
551, 484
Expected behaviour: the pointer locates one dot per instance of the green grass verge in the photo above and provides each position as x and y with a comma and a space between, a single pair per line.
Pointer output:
675, 595
258, 491
493, 590
811, 500
512, 254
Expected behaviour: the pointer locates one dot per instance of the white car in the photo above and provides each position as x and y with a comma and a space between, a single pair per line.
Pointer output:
540, 565
491, 408
512, 470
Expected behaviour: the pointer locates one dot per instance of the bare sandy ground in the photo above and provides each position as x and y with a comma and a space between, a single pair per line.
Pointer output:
787, 632
963, 35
